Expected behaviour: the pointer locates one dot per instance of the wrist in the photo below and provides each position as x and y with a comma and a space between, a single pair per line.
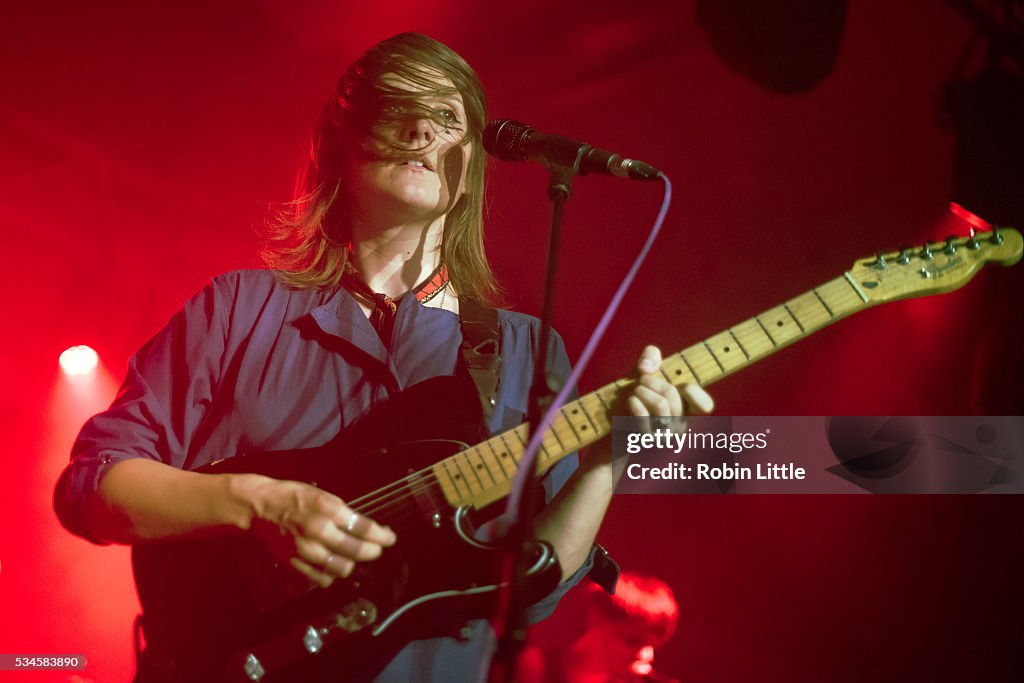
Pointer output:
243, 499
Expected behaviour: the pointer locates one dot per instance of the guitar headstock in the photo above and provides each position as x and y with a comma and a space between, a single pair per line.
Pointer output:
934, 267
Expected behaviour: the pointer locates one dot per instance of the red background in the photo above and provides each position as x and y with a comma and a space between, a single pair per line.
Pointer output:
142, 141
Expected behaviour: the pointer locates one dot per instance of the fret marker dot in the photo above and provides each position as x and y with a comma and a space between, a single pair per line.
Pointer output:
726, 349
779, 323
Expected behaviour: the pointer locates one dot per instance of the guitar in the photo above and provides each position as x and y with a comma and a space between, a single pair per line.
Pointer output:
222, 609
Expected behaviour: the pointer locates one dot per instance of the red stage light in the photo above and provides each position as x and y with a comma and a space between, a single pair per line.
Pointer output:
79, 363
641, 668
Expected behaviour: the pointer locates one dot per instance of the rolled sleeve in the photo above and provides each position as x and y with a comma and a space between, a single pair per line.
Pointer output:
166, 392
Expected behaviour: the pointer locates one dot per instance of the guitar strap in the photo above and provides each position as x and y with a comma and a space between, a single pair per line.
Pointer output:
481, 350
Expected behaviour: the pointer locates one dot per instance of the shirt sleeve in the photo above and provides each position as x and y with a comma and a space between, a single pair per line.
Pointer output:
167, 390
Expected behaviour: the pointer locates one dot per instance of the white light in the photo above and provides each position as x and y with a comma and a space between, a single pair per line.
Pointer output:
79, 363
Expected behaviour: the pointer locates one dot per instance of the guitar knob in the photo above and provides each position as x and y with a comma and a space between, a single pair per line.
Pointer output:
950, 245
312, 641
253, 668
926, 252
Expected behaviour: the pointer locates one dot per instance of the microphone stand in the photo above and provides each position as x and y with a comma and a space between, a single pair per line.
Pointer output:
510, 622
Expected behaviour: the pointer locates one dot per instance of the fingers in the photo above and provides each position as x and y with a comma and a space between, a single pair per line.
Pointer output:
650, 360
345, 538
317, 533
317, 574
655, 396
363, 528
698, 401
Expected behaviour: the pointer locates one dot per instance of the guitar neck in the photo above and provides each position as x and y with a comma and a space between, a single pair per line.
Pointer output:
482, 474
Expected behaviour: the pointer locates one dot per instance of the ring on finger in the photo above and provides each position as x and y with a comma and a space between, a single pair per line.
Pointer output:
661, 422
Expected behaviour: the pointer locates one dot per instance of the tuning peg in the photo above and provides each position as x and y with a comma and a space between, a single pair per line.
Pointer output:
879, 263
926, 252
950, 245
973, 244
904, 257
996, 237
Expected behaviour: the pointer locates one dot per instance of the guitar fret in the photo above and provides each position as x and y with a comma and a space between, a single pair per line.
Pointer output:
584, 425
545, 442
554, 432
586, 413
697, 356
450, 494
483, 465
766, 332
497, 457
844, 298
544, 448
690, 368
680, 374
511, 452
456, 479
726, 356
467, 463
739, 344
464, 462
754, 338
784, 333
795, 319
813, 313
711, 352
591, 430
561, 411
829, 310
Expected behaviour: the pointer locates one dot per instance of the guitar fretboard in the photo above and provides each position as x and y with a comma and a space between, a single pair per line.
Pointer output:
483, 474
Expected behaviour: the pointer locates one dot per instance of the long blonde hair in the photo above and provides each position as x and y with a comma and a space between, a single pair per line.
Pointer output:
306, 243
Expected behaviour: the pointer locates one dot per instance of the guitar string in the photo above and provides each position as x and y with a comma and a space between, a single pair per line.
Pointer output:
563, 433
399, 492
401, 489
412, 485
380, 500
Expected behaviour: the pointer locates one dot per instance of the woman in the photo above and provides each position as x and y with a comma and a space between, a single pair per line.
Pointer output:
367, 271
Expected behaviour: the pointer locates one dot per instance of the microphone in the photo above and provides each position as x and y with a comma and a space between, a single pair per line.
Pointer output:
514, 141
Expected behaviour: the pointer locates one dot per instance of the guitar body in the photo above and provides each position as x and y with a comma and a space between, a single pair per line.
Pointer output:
209, 605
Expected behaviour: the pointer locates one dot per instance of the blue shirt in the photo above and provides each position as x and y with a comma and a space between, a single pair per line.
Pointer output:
250, 364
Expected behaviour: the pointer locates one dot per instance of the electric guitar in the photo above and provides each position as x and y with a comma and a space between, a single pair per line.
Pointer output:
222, 609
